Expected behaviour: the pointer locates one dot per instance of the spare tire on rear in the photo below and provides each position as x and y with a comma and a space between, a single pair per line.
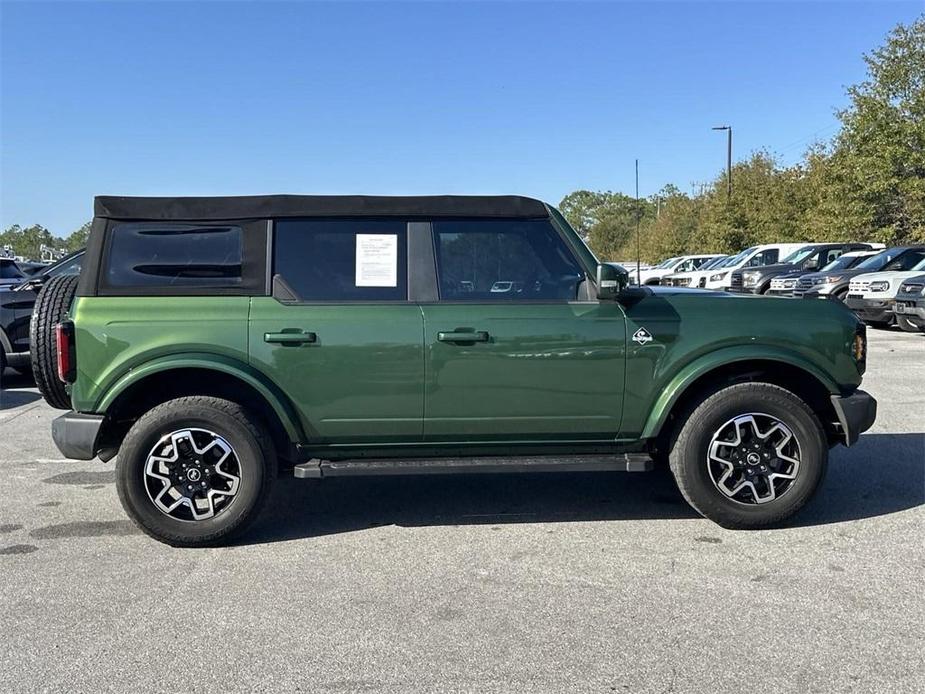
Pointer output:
51, 307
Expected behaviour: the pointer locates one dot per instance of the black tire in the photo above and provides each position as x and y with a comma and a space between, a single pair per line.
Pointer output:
841, 294
690, 447
51, 306
251, 445
880, 324
907, 324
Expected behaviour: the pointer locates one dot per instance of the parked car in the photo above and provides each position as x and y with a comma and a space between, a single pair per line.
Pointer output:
910, 305
16, 304
10, 273
694, 278
810, 258
833, 283
873, 295
334, 336
787, 284
684, 263
756, 256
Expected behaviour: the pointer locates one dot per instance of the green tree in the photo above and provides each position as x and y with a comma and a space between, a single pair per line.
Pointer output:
78, 238
874, 177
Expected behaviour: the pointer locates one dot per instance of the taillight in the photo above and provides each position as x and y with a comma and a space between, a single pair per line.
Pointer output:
64, 339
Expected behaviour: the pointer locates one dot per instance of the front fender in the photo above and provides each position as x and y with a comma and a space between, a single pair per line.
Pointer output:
213, 362
690, 372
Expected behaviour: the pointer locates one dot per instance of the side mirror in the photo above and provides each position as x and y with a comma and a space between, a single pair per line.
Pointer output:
612, 279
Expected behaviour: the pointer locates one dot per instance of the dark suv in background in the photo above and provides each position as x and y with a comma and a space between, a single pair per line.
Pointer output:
833, 283
16, 304
808, 259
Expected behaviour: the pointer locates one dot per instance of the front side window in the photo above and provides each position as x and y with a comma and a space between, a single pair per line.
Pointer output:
174, 255
768, 257
504, 260
343, 259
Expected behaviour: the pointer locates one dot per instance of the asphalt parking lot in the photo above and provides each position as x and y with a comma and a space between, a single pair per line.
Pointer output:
594, 582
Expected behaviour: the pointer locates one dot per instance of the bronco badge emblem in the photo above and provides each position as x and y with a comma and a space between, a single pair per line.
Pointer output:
642, 336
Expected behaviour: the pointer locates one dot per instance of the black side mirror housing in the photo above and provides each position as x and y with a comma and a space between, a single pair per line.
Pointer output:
612, 279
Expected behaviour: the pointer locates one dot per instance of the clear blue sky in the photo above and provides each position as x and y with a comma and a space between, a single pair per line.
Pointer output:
183, 98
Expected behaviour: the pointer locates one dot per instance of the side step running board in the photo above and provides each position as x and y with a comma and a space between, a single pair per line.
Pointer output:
625, 462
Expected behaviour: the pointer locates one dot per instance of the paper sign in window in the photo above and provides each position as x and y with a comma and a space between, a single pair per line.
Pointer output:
377, 260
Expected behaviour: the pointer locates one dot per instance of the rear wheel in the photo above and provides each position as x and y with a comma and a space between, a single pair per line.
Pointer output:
51, 307
749, 456
195, 471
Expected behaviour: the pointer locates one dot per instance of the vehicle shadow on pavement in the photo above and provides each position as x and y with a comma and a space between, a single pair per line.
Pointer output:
303, 509
13, 390
882, 474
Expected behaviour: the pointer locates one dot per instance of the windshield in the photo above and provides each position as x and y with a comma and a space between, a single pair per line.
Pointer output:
667, 263
910, 260
798, 256
842, 262
741, 257
716, 262
875, 262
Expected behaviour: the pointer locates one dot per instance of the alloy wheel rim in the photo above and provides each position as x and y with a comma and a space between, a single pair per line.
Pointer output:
192, 474
753, 458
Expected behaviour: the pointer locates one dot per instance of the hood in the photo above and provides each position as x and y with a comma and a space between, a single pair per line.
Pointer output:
765, 270
892, 275
850, 272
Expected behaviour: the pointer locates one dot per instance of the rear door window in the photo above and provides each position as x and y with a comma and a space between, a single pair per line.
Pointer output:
343, 259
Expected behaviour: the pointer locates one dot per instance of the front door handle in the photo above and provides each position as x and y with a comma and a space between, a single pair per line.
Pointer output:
290, 337
478, 336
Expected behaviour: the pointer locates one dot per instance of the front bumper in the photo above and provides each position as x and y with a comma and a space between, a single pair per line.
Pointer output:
879, 310
76, 434
779, 292
911, 308
856, 414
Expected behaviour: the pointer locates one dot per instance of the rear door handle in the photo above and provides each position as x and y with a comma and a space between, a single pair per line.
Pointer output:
290, 337
478, 336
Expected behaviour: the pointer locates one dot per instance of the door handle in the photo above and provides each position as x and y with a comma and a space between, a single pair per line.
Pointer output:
290, 338
478, 336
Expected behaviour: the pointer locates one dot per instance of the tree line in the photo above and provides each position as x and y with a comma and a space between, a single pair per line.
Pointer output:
27, 242
866, 184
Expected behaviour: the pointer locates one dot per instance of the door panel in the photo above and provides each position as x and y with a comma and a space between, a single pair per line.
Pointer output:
359, 379
542, 372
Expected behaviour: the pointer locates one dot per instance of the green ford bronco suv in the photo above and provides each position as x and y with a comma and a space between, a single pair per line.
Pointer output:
214, 343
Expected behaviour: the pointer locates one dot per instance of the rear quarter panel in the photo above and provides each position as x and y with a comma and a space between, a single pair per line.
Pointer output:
115, 335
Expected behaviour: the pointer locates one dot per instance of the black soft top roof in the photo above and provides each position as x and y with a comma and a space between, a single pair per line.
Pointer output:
274, 206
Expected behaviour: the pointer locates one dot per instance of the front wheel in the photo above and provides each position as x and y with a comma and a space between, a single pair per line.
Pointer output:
749, 456
195, 471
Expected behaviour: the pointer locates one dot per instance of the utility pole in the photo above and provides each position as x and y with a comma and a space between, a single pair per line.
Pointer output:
638, 215
728, 129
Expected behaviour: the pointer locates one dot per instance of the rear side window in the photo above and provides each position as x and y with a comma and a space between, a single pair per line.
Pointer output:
504, 260
342, 259
175, 256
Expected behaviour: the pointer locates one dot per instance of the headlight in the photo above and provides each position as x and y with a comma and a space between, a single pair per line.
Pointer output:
914, 288
749, 279
879, 286
717, 277
789, 284
830, 280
